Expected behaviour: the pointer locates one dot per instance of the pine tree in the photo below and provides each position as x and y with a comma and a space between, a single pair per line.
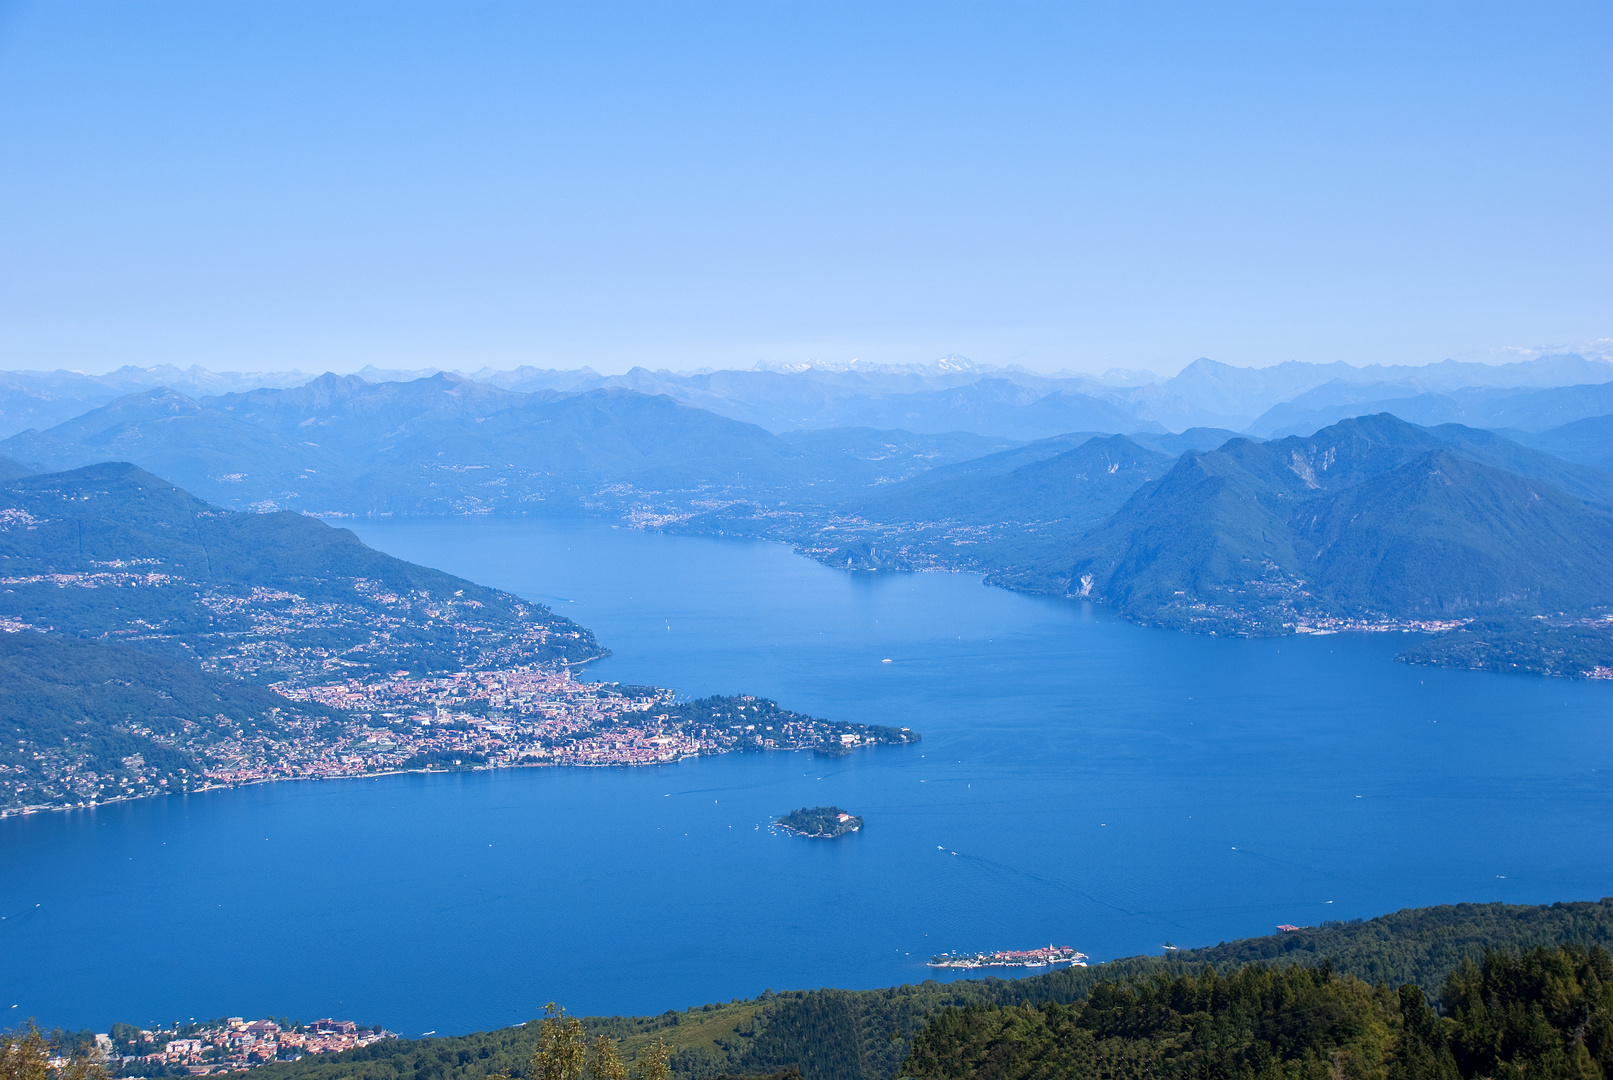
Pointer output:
606, 1063
655, 1061
562, 1047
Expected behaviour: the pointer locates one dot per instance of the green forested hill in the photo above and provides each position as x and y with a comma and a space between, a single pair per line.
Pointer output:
1573, 649
1082, 485
1546, 1013
104, 704
1443, 536
1579, 480
1022, 522
865, 1034
111, 551
129, 604
1014, 515
1370, 519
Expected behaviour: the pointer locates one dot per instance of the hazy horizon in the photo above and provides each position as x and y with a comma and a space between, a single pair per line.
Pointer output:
1162, 371
260, 186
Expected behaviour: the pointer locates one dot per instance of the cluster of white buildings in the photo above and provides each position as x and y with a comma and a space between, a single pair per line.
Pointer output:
243, 1044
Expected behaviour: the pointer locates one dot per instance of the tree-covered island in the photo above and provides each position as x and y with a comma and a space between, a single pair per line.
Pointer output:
821, 822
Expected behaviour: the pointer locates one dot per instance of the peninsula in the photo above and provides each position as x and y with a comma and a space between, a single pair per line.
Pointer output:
162, 645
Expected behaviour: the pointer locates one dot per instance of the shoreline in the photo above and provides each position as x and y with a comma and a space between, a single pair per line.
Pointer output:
45, 808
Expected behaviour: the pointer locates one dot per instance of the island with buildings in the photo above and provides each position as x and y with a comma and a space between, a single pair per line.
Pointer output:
1028, 958
820, 822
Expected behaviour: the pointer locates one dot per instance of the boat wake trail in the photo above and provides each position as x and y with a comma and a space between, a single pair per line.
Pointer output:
22, 917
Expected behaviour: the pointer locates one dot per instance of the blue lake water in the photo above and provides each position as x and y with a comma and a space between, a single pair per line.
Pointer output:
1082, 781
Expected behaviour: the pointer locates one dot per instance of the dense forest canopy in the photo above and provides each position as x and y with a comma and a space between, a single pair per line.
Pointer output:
1544, 1013
834, 1034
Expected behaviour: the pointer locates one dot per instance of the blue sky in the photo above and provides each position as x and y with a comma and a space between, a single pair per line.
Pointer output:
326, 185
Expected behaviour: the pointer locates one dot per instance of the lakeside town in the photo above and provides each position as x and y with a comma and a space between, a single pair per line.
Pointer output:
367, 678
1011, 958
533, 715
229, 1044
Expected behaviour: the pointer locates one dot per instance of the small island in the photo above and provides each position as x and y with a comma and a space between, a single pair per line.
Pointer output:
821, 822
1027, 958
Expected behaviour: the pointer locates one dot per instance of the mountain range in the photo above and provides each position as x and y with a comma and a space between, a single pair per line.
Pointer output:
340, 445
954, 394
949, 395
1370, 519
1510, 409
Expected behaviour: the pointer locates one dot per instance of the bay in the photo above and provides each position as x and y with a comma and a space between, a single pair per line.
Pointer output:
1082, 781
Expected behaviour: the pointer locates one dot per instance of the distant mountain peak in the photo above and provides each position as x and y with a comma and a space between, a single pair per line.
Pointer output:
951, 364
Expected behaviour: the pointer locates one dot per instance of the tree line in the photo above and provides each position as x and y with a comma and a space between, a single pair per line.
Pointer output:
564, 1052
1545, 1014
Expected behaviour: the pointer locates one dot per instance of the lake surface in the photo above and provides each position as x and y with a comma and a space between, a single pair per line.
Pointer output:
1082, 781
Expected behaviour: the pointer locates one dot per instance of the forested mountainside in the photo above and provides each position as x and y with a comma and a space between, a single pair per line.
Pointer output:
1546, 1013
863, 451
1018, 525
1015, 514
1588, 441
92, 720
42, 399
112, 552
1000, 407
1082, 485
143, 626
866, 1034
1368, 520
